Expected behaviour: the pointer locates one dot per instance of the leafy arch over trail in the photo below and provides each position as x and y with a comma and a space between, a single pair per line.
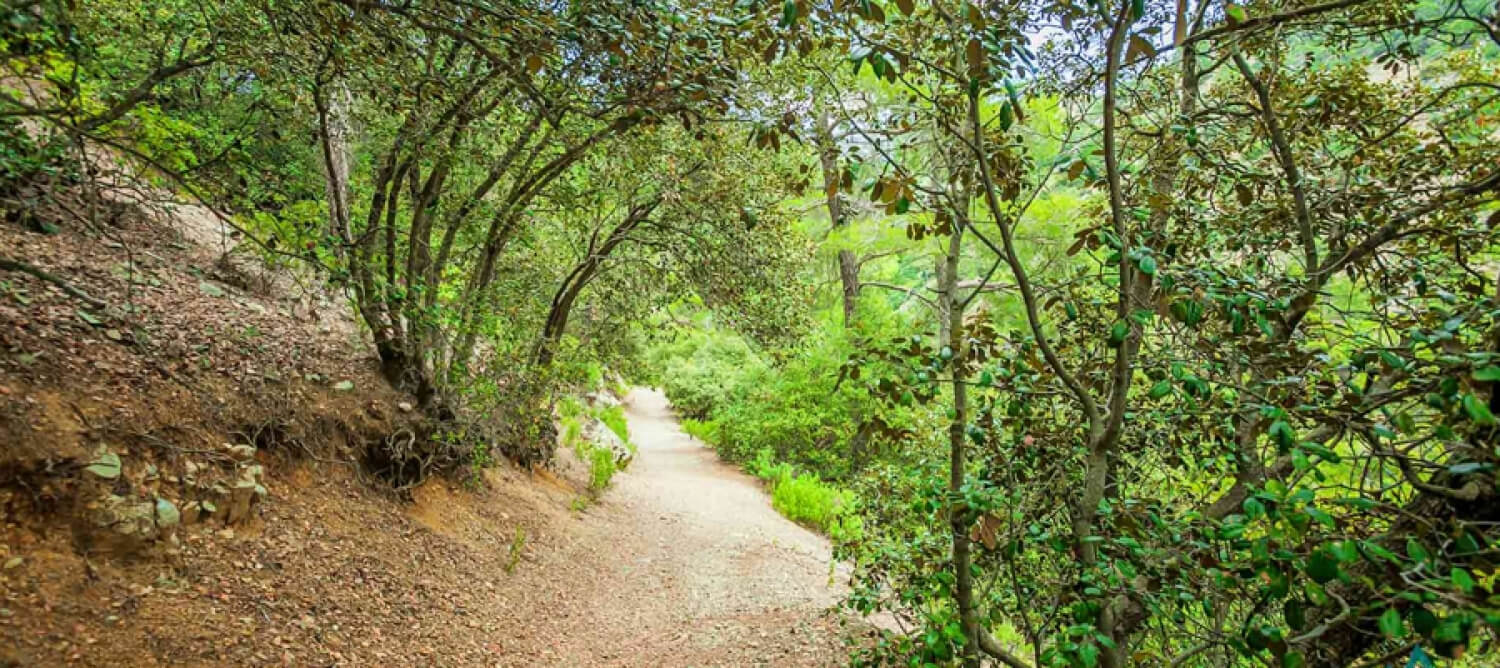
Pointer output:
1137, 333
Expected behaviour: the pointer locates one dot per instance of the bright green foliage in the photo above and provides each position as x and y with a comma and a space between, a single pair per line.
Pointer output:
614, 418
601, 468
806, 499
703, 430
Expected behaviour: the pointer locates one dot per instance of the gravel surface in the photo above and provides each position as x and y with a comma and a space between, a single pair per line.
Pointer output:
686, 563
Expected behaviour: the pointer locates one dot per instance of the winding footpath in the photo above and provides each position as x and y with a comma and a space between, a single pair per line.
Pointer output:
685, 563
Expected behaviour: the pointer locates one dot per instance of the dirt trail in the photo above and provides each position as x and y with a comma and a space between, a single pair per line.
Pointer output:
686, 563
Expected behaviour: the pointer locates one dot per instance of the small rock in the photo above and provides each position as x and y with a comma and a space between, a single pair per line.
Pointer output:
167, 514
252, 472
405, 407
190, 512
239, 501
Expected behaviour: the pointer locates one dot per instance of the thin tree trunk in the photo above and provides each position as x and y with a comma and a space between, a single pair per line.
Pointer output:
848, 266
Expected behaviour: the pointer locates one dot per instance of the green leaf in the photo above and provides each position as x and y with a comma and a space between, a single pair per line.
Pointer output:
1295, 614
1088, 655
1254, 508
1282, 433
1423, 621
89, 318
1161, 389
106, 465
1468, 468
1375, 551
1148, 265
1489, 373
1390, 623
1322, 566
1117, 334
1415, 550
1392, 360
1235, 13
1293, 659
1478, 412
1322, 518
1321, 451
1462, 580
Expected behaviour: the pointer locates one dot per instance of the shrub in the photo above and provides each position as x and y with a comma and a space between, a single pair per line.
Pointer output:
569, 407
806, 499
614, 418
703, 430
601, 468
765, 467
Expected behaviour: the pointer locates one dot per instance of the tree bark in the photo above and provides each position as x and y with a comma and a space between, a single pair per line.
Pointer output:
579, 278
848, 265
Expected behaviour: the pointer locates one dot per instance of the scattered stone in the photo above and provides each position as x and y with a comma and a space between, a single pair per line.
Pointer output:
167, 514
239, 502
602, 436
191, 512
404, 407
602, 399
210, 289
125, 525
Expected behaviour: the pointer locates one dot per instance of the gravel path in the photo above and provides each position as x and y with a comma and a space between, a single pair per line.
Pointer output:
685, 563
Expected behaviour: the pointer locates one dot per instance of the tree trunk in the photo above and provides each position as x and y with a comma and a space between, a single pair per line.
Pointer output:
848, 266
579, 278
950, 334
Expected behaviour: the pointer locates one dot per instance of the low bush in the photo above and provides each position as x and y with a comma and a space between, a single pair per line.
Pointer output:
601, 468
703, 430
806, 499
767, 468
614, 418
